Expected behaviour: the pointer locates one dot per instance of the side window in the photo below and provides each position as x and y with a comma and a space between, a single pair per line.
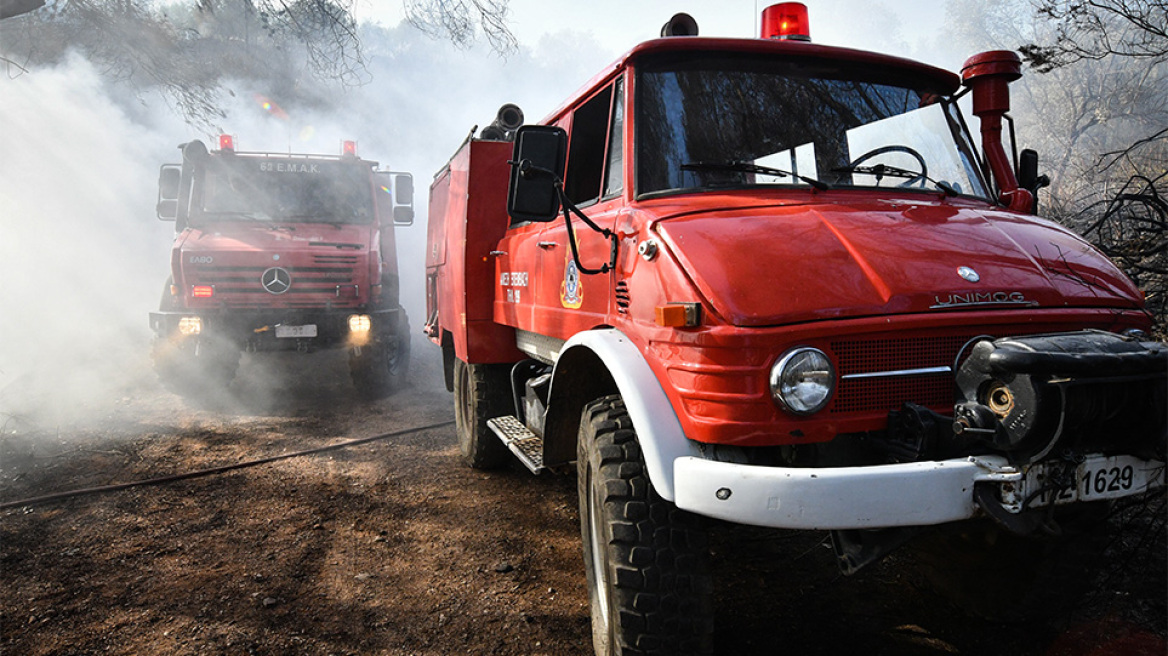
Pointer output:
615, 174
586, 149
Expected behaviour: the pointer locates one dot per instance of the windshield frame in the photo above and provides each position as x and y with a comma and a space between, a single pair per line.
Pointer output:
844, 68
353, 175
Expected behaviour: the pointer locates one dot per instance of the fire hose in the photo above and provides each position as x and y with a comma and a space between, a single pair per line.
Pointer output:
58, 496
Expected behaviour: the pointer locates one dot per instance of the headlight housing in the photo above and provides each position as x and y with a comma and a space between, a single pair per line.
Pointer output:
190, 326
359, 323
802, 381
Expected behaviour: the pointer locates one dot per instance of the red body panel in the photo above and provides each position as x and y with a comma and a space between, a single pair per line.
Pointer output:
847, 255
460, 267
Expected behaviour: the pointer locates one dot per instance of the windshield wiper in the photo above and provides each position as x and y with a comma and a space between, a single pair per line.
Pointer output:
748, 167
881, 171
258, 216
330, 219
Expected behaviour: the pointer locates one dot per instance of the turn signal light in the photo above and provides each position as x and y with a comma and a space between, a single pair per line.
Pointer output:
678, 315
786, 21
203, 291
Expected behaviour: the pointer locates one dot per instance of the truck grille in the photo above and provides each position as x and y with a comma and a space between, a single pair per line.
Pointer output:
312, 286
887, 393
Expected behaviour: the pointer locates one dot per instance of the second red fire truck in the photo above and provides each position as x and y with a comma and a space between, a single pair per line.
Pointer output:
278, 251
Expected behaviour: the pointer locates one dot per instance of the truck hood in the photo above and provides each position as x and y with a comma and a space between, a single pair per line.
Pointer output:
250, 236
779, 264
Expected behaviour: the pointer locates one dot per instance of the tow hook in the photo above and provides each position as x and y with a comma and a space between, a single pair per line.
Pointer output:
998, 495
1024, 523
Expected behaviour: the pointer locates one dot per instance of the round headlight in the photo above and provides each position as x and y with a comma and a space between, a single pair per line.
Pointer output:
802, 380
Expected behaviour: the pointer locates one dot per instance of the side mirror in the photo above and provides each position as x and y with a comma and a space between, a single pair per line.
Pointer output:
403, 187
1028, 177
169, 178
537, 164
395, 197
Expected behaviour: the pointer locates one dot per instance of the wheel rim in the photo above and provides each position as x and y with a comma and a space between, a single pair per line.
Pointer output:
393, 358
461, 388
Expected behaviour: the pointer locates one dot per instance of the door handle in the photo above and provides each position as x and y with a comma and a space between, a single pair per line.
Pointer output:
548, 244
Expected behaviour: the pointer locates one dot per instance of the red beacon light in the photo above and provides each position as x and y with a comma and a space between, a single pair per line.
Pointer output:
786, 21
227, 143
349, 148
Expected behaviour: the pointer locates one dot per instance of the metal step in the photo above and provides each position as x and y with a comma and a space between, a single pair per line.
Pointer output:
526, 445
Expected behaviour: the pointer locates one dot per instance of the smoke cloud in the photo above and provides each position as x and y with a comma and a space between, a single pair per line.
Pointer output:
83, 258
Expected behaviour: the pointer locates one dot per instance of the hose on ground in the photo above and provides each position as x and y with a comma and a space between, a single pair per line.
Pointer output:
59, 496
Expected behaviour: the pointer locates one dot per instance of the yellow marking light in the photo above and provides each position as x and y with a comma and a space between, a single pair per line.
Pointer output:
678, 315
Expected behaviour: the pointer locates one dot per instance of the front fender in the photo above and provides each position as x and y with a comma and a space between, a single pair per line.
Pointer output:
581, 364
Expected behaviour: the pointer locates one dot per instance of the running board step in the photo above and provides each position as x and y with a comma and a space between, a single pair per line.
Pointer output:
526, 445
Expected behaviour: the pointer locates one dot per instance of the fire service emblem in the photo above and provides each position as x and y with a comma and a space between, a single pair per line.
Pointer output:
571, 293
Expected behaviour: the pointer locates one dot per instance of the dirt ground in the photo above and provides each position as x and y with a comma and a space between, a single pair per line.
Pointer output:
395, 547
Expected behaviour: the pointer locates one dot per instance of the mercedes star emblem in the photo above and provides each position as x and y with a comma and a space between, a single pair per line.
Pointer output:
276, 280
965, 272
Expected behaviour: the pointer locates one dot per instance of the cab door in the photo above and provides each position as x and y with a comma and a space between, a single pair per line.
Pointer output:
568, 299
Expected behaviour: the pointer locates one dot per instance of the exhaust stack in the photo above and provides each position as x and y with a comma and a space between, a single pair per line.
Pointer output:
507, 121
680, 25
989, 75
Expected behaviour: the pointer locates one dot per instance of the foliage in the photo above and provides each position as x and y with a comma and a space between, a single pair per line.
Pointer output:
1114, 53
1095, 29
460, 20
186, 50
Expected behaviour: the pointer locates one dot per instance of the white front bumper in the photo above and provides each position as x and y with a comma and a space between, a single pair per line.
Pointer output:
883, 496
911, 494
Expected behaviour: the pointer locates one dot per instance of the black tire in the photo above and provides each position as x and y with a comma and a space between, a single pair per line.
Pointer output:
382, 368
647, 562
481, 392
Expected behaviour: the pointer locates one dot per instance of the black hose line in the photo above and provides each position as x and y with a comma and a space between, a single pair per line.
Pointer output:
57, 496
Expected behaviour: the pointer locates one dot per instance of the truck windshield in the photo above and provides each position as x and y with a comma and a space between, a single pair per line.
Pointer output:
239, 187
724, 121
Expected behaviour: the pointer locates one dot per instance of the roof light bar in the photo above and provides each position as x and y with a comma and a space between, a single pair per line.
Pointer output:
786, 21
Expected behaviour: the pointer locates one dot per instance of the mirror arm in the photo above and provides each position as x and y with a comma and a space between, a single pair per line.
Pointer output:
569, 209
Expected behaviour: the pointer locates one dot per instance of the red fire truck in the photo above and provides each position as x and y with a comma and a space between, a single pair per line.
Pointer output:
780, 284
281, 252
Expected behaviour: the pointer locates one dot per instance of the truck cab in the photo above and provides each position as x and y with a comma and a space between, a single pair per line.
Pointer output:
281, 252
781, 284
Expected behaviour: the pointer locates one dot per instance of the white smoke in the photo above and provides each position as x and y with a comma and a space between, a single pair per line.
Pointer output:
83, 258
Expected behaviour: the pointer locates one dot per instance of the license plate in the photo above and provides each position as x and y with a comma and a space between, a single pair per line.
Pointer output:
1095, 479
307, 330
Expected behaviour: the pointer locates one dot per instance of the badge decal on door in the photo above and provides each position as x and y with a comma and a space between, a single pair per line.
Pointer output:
571, 293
